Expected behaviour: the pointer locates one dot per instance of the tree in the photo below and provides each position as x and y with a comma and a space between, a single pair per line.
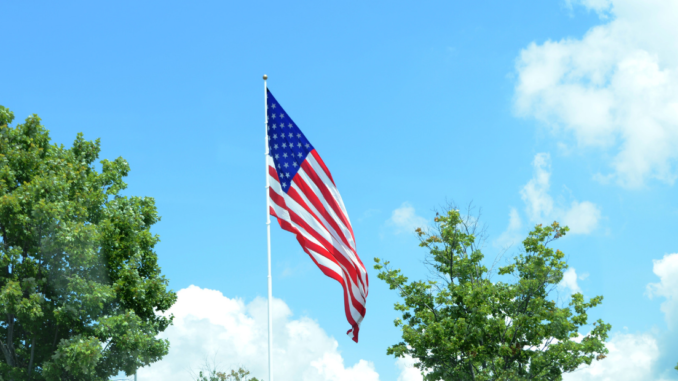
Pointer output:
210, 371
241, 374
79, 281
463, 326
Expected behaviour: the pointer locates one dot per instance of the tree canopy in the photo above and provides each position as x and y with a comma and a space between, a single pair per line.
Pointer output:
463, 326
80, 286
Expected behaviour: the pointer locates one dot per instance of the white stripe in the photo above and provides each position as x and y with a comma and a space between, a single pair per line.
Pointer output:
324, 261
319, 228
345, 232
315, 210
284, 215
335, 193
324, 229
329, 183
292, 205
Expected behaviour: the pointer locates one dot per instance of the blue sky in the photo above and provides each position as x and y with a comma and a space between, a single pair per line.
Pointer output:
532, 110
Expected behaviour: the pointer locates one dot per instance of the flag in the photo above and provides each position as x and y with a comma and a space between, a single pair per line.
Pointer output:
306, 202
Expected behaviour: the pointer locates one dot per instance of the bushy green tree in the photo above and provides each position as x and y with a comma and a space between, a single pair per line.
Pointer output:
462, 326
79, 281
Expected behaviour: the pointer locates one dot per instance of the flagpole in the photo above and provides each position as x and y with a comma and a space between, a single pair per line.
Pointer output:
268, 234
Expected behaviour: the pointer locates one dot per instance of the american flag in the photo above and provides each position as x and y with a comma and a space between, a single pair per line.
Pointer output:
306, 202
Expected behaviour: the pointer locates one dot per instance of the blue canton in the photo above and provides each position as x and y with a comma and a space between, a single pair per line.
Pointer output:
287, 144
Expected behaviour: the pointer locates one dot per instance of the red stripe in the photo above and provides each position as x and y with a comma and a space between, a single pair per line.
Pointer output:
313, 197
327, 195
315, 201
328, 272
323, 166
348, 266
348, 263
352, 270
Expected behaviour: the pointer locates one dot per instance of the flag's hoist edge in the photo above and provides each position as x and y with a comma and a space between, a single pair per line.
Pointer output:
306, 202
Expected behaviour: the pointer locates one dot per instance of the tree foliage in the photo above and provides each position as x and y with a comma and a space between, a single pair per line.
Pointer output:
463, 326
241, 374
79, 280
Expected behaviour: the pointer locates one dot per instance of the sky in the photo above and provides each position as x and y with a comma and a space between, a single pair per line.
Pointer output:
531, 110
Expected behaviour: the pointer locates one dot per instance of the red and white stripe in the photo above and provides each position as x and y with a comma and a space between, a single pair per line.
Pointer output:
313, 210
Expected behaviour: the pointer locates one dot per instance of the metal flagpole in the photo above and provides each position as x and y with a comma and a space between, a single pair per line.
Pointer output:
268, 234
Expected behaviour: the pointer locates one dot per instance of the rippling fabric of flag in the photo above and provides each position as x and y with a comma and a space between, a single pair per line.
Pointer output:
306, 202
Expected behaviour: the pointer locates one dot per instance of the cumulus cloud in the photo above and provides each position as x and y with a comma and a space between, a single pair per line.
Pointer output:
538, 201
407, 370
667, 271
581, 217
614, 90
570, 281
405, 219
631, 358
512, 233
599, 6
208, 325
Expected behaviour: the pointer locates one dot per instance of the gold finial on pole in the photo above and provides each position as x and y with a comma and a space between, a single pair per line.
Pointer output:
265, 77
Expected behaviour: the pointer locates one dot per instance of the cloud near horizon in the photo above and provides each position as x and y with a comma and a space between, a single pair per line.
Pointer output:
211, 326
631, 358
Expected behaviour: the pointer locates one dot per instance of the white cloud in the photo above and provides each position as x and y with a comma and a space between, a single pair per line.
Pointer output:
209, 325
405, 220
667, 271
512, 233
631, 358
570, 281
581, 217
599, 6
535, 194
615, 89
407, 370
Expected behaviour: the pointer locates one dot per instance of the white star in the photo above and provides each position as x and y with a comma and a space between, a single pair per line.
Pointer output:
277, 156
282, 115
273, 105
298, 135
275, 136
289, 125
274, 126
284, 184
286, 165
299, 154
307, 145
275, 146
299, 145
290, 135
273, 116
295, 164
287, 174
284, 145
285, 155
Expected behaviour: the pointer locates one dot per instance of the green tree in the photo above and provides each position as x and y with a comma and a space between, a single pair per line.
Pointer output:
463, 326
79, 281
241, 374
